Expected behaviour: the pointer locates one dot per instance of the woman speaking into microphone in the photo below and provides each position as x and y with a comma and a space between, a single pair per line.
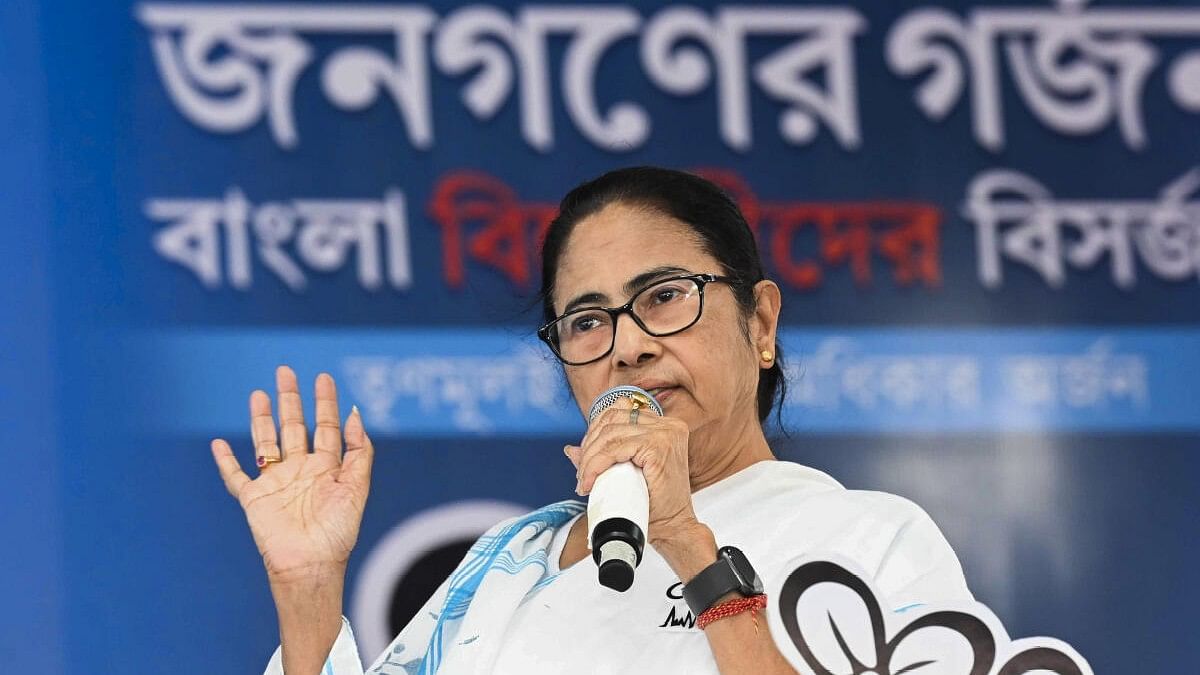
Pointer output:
650, 278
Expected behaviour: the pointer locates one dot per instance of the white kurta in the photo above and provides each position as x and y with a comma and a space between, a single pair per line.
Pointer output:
773, 511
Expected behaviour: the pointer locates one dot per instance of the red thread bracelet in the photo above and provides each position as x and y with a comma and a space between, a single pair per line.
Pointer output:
753, 603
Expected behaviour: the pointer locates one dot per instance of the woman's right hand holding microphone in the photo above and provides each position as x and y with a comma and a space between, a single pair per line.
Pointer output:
303, 511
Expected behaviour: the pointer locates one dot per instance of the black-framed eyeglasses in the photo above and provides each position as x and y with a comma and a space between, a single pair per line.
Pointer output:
663, 308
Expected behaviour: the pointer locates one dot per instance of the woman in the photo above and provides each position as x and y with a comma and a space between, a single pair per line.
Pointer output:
699, 332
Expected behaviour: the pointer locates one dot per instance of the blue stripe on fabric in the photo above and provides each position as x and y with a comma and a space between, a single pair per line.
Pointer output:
492, 382
486, 554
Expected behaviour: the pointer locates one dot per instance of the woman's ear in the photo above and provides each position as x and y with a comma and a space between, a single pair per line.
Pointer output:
764, 324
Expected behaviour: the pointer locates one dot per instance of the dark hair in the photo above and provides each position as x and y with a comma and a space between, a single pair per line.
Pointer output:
714, 218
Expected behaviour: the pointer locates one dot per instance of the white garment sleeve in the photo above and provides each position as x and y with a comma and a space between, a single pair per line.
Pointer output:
343, 657
919, 567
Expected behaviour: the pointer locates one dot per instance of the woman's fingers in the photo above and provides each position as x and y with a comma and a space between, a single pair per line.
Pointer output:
598, 464
292, 432
611, 422
609, 447
262, 425
328, 437
360, 453
613, 439
231, 472
617, 413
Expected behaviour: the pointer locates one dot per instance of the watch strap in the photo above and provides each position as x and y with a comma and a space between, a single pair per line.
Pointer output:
715, 581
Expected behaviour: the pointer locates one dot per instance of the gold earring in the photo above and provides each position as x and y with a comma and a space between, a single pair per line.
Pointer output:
767, 356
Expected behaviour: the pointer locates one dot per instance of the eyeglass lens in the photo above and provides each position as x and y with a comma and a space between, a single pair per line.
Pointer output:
663, 308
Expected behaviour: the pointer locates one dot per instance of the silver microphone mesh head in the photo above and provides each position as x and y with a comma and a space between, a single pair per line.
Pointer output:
608, 398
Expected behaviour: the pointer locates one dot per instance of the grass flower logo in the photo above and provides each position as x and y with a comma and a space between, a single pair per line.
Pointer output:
827, 620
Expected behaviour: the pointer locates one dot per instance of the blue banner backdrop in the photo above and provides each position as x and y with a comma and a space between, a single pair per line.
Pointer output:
984, 216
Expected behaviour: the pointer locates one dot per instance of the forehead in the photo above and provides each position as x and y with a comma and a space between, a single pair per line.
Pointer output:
610, 247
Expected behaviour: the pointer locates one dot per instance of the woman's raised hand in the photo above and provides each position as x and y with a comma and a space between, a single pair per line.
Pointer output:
305, 510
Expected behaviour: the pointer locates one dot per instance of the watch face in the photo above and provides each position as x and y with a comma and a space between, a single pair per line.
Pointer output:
747, 577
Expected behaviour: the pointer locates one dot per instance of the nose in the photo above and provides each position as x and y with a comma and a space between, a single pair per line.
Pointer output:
632, 345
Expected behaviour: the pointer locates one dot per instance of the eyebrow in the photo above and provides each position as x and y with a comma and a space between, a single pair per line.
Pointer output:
637, 283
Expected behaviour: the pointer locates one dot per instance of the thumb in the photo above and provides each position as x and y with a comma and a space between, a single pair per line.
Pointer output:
572, 453
356, 464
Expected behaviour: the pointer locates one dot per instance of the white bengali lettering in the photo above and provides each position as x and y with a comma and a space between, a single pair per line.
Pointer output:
288, 238
1017, 218
227, 67
673, 62
1078, 69
1096, 378
474, 392
838, 375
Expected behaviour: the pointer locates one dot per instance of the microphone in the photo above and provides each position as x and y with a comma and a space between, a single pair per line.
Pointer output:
619, 504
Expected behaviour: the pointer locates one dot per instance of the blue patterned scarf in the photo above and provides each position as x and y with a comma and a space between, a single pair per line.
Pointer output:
463, 624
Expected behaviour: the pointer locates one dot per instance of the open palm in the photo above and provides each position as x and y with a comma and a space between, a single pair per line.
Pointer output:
305, 510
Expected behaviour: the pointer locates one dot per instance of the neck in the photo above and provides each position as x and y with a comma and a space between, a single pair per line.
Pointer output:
716, 454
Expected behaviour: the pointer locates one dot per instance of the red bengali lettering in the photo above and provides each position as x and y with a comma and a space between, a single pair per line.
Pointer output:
845, 237
914, 243
803, 274
482, 219
906, 234
508, 230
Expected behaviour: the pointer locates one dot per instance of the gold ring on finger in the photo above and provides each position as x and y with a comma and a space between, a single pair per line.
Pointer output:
264, 461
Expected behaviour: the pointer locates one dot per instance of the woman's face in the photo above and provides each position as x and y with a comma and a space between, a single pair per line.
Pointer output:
706, 375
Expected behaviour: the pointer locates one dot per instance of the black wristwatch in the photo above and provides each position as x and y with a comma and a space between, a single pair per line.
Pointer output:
731, 572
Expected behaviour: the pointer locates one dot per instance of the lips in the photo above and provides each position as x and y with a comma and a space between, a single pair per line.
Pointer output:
661, 394
661, 390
